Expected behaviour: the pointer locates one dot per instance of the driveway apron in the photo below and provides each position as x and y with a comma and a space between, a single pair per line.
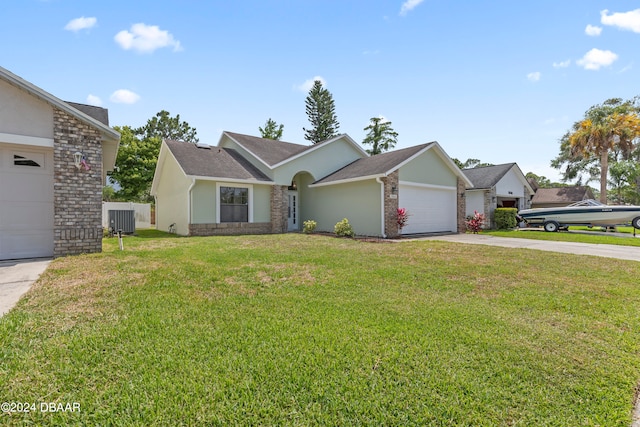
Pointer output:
631, 253
16, 277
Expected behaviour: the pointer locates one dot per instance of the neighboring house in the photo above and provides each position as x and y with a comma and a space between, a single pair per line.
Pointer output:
48, 205
559, 197
499, 186
250, 185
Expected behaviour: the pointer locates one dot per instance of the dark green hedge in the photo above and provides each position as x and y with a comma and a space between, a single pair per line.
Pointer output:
506, 218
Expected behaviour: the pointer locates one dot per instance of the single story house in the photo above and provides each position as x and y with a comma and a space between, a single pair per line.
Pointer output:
54, 157
253, 185
561, 196
498, 186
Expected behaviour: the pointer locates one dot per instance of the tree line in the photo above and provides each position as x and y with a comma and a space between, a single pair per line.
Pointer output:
604, 147
139, 147
321, 111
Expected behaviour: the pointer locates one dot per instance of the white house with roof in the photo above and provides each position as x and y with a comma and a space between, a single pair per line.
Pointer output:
497, 186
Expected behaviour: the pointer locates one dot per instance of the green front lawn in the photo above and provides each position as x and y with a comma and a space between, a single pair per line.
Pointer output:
313, 330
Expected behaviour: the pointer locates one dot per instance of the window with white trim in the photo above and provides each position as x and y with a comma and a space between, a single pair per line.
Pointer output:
234, 204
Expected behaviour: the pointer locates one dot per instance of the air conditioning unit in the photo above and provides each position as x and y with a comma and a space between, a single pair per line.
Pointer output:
122, 220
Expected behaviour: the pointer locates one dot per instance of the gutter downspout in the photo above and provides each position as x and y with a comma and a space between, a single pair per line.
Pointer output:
193, 183
384, 236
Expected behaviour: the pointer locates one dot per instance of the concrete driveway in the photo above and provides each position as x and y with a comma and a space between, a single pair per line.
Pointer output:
609, 251
16, 277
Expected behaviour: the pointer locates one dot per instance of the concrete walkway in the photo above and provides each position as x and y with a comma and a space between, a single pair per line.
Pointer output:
631, 253
16, 277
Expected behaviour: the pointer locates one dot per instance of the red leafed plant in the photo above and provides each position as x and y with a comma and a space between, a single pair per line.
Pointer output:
403, 217
474, 223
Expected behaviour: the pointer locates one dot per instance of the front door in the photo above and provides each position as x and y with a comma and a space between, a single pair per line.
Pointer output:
293, 213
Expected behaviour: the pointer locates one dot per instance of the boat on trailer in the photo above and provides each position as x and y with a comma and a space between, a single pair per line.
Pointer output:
586, 212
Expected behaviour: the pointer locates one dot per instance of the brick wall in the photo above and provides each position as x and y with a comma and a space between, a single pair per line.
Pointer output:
462, 205
77, 192
391, 204
279, 209
229, 228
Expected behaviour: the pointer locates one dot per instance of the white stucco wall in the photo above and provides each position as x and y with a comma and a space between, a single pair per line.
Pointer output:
23, 114
172, 198
510, 185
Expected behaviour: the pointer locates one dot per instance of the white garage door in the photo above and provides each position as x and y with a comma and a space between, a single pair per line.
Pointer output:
431, 210
26, 202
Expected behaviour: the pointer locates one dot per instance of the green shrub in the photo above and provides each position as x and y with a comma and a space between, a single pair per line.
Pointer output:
344, 229
309, 226
506, 218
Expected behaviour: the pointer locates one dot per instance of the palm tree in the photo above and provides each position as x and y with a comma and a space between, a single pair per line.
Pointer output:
614, 125
381, 136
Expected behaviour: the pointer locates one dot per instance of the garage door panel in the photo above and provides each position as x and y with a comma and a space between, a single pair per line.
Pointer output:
24, 187
26, 203
26, 215
26, 244
431, 210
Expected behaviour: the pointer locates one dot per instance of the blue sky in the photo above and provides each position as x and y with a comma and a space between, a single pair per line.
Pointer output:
500, 81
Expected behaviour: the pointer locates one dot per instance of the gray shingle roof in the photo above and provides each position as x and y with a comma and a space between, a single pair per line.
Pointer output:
98, 113
374, 165
214, 162
487, 176
268, 150
562, 195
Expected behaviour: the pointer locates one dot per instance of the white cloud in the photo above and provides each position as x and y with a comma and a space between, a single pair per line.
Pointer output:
409, 5
81, 23
124, 96
308, 84
592, 30
562, 64
94, 100
623, 20
596, 59
534, 77
146, 38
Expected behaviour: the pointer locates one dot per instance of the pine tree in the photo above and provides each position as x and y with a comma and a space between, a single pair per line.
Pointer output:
321, 112
271, 130
381, 136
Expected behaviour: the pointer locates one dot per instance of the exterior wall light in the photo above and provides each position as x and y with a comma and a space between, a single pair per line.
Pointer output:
77, 159
394, 189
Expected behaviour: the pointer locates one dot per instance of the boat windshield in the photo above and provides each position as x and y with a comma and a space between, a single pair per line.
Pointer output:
587, 202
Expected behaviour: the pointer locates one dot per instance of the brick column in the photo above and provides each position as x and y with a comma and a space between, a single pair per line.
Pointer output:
391, 204
77, 192
462, 205
279, 205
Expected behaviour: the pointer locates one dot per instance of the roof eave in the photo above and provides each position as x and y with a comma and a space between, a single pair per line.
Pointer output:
226, 179
258, 158
347, 180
